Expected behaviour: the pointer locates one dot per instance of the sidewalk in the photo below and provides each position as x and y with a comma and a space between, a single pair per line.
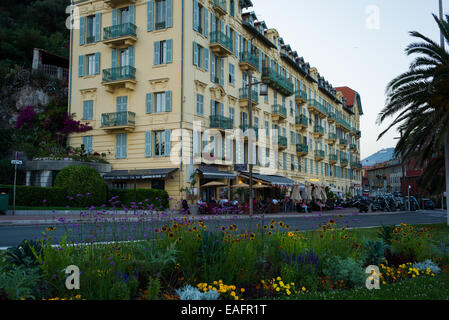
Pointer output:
42, 217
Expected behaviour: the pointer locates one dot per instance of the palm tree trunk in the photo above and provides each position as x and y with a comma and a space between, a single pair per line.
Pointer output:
446, 160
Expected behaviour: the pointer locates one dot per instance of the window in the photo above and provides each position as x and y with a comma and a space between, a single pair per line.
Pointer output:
231, 113
87, 142
200, 57
284, 161
158, 184
232, 8
200, 104
292, 160
121, 142
159, 144
267, 157
200, 18
88, 110
231, 74
217, 70
161, 14
119, 186
159, 102
90, 64
90, 32
163, 52
267, 128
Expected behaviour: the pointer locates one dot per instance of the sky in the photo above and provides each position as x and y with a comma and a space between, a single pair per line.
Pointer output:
355, 43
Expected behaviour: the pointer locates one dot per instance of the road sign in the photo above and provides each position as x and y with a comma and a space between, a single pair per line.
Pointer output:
16, 162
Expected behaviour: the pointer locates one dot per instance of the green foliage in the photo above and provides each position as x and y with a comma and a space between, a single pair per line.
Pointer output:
6, 136
85, 181
6, 172
158, 199
346, 269
375, 252
19, 282
23, 254
386, 234
35, 196
153, 289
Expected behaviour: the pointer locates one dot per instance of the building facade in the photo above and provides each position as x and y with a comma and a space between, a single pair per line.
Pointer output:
154, 77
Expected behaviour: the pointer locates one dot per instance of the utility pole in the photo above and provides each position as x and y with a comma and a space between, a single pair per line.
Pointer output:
446, 136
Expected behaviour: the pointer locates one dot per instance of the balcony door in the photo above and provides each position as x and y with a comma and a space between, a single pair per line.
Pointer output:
124, 16
124, 62
122, 110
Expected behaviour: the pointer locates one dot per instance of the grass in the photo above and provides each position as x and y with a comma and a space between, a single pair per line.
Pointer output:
423, 288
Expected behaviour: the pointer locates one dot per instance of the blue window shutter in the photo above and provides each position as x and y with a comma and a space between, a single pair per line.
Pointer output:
195, 15
149, 103
195, 54
148, 144
222, 109
169, 51
82, 28
114, 17
222, 71
206, 59
132, 13
98, 27
150, 15
114, 58
131, 56
91, 110
80, 66
85, 110
167, 142
212, 66
157, 50
236, 44
168, 101
206, 22
118, 147
97, 63
124, 144
214, 22
260, 60
222, 26
169, 13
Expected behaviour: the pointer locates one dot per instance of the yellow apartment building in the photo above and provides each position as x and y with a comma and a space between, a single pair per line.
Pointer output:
154, 77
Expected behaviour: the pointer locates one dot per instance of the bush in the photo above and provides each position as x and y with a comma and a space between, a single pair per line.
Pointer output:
191, 293
157, 198
6, 172
84, 184
346, 269
37, 196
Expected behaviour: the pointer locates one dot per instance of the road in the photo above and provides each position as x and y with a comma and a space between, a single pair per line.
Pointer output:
14, 235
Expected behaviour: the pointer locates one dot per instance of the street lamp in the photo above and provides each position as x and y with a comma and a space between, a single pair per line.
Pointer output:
409, 207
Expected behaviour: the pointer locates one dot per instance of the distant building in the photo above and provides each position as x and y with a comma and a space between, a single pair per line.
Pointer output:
50, 64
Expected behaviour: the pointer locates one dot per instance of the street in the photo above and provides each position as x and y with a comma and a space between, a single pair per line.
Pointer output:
12, 235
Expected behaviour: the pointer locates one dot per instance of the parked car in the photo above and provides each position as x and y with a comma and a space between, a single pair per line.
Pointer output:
427, 204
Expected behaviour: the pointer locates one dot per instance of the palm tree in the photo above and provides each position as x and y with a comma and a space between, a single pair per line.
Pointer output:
419, 101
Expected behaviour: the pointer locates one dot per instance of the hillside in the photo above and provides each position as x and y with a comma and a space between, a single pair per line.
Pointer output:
380, 156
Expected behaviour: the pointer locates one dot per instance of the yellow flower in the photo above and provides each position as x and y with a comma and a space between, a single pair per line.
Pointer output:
233, 293
278, 278
278, 289
288, 292
242, 290
78, 296
303, 289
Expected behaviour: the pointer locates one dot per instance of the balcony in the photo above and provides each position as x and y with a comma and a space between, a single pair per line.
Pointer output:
300, 97
221, 123
343, 124
356, 165
331, 117
319, 155
358, 134
302, 149
343, 162
244, 99
282, 143
116, 3
248, 62
220, 7
119, 77
317, 108
277, 82
332, 138
301, 122
118, 121
333, 158
318, 131
342, 143
220, 44
120, 35
163, 25
278, 113
353, 147
245, 127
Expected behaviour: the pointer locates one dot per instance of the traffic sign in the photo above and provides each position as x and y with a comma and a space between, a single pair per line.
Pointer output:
16, 162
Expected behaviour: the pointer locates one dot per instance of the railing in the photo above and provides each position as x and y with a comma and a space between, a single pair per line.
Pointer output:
221, 122
282, 141
344, 161
120, 30
318, 129
332, 116
353, 147
358, 133
247, 57
221, 4
344, 123
314, 103
356, 165
117, 119
222, 39
301, 94
333, 158
276, 80
119, 73
53, 71
279, 110
319, 154
344, 142
302, 119
302, 148
332, 136
254, 94
90, 39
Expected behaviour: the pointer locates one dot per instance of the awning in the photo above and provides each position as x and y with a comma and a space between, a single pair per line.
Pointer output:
139, 174
211, 173
274, 180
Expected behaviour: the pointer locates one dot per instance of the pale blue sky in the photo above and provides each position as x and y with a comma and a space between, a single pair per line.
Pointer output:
332, 36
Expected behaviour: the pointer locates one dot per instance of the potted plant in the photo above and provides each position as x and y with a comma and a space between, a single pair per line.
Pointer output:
190, 194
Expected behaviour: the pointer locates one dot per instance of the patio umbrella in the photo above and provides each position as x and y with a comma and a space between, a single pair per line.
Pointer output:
214, 184
317, 192
308, 193
296, 195
241, 185
260, 186
323, 193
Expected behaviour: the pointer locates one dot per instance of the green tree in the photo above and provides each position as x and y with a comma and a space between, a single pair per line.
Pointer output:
419, 101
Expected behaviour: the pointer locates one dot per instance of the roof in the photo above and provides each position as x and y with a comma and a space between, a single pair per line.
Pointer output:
139, 174
351, 97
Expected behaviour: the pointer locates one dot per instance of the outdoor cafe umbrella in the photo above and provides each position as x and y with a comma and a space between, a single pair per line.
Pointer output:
296, 195
308, 193
323, 193
213, 184
241, 185
260, 186
317, 192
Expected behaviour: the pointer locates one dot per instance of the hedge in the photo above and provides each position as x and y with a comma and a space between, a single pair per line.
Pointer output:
151, 195
35, 196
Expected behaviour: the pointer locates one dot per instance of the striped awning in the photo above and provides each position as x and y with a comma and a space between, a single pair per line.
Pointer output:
139, 174
274, 180
211, 173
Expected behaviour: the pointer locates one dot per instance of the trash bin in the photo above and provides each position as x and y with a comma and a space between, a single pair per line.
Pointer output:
4, 201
